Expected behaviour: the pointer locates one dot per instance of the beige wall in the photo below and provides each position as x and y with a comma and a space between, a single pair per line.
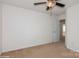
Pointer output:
0, 27
72, 23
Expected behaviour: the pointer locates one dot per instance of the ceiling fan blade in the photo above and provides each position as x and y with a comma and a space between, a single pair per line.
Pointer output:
60, 4
40, 3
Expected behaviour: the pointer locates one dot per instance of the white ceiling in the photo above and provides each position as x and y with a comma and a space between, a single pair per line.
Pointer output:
41, 8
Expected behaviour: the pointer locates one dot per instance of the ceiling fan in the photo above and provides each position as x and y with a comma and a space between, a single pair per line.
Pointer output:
50, 4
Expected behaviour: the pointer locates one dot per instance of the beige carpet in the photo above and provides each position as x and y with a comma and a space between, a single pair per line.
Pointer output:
53, 50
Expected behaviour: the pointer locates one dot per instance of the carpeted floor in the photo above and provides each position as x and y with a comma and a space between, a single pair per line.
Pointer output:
52, 50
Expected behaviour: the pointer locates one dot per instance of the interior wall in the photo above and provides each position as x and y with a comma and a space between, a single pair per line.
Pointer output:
72, 22
24, 28
0, 28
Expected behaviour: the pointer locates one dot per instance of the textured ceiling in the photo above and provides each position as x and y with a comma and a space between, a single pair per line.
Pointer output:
41, 8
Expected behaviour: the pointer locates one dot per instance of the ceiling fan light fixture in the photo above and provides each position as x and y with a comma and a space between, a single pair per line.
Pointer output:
51, 3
